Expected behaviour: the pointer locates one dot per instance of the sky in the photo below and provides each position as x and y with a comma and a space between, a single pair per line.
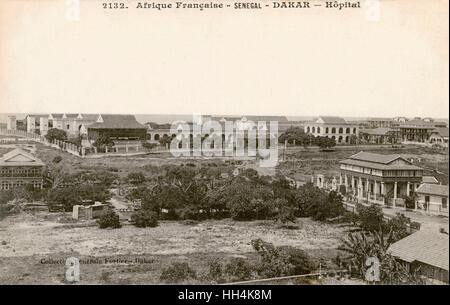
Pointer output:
267, 62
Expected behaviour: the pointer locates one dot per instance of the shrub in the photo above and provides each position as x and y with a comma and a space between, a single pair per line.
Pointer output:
299, 259
109, 219
144, 218
136, 178
215, 271
239, 269
177, 272
371, 217
399, 226
272, 261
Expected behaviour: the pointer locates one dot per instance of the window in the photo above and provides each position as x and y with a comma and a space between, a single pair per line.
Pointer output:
68, 126
444, 203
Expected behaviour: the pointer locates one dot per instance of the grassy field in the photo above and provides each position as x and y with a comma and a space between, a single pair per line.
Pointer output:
28, 238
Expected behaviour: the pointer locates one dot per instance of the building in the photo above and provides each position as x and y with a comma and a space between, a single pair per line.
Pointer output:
416, 130
74, 124
379, 135
379, 122
439, 136
19, 168
333, 127
116, 127
432, 198
378, 178
426, 252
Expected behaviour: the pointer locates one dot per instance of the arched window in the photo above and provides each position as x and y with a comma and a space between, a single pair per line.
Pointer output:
326, 130
333, 130
318, 129
341, 130
340, 139
307, 129
347, 139
347, 130
314, 129
354, 130
156, 137
333, 138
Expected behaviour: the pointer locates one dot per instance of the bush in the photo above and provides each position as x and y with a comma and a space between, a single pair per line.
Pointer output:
239, 269
371, 217
136, 178
177, 272
215, 271
399, 226
144, 218
109, 219
299, 259
271, 262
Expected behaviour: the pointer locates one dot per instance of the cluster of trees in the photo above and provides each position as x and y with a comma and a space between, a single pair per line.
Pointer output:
374, 240
297, 136
269, 261
184, 192
56, 134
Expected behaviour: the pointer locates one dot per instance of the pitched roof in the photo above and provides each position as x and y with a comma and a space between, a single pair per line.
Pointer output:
19, 157
423, 246
380, 131
378, 161
116, 121
429, 179
332, 120
377, 158
433, 189
442, 131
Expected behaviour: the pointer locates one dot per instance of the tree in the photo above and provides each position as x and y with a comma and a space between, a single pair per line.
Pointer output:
56, 134
102, 141
370, 217
325, 142
360, 247
109, 219
144, 218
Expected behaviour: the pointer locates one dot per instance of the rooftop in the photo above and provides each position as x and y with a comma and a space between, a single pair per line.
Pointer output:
423, 246
433, 189
116, 121
19, 157
380, 131
379, 161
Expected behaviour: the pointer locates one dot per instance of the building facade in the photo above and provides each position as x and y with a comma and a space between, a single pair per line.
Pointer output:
335, 128
117, 127
432, 198
382, 179
19, 168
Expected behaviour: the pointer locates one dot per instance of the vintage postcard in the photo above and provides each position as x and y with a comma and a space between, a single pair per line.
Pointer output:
222, 142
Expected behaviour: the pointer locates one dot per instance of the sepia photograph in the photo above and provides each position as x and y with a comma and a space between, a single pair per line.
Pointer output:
203, 145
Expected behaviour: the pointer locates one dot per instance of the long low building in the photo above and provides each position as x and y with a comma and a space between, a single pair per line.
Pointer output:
381, 178
335, 128
116, 127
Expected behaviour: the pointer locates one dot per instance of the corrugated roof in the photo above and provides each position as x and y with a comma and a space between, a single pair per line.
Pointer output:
117, 121
423, 246
429, 179
380, 166
377, 158
380, 131
433, 189
30, 160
